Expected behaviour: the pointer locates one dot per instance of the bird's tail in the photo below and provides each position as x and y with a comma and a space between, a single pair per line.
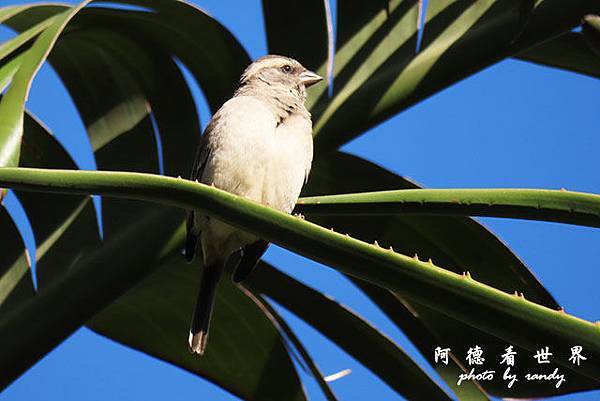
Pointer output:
204, 306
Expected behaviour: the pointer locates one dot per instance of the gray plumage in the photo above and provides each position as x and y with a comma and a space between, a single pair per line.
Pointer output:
257, 145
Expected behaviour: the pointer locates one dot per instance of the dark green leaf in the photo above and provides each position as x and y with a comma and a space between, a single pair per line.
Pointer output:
18, 66
124, 88
211, 53
12, 105
458, 244
451, 239
25, 37
95, 280
517, 320
350, 332
43, 150
377, 69
70, 230
27, 16
294, 341
246, 355
304, 38
177, 155
102, 41
16, 284
570, 52
408, 320
75, 275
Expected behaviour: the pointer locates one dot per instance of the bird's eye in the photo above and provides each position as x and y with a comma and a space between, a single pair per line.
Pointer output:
286, 68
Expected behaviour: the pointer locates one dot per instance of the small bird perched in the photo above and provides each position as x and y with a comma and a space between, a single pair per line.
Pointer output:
257, 145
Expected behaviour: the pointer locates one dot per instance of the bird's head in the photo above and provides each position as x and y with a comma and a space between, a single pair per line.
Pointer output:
279, 71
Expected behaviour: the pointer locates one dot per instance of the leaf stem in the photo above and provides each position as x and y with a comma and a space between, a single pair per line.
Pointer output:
532, 204
510, 317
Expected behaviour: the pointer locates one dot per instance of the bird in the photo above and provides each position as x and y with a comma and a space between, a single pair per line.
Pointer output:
258, 145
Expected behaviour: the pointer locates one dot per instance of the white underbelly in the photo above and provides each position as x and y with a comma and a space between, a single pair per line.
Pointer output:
266, 167
283, 180
270, 172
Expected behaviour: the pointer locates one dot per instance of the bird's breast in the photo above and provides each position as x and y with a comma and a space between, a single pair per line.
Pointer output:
288, 164
238, 146
255, 157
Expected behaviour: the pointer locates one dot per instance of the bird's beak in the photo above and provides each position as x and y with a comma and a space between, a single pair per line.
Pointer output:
309, 78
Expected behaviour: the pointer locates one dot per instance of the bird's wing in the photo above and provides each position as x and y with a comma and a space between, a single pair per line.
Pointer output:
202, 156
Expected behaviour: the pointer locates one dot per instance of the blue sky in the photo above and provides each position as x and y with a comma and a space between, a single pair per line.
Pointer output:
513, 125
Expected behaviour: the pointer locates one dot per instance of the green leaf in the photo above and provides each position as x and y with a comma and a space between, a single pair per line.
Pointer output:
8, 71
211, 53
410, 322
121, 110
458, 244
294, 341
570, 52
124, 117
123, 103
16, 284
75, 272
29, 15
12, 105
27, 35
9, 11
246, 355
177, 161
61, 259
37, 326
183, 25
18, 71
532, 204
32, 20
146, 65
350, 332
517, 320
71, 262
117, 110
288, 35
424, 236
377, 69
71, 230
